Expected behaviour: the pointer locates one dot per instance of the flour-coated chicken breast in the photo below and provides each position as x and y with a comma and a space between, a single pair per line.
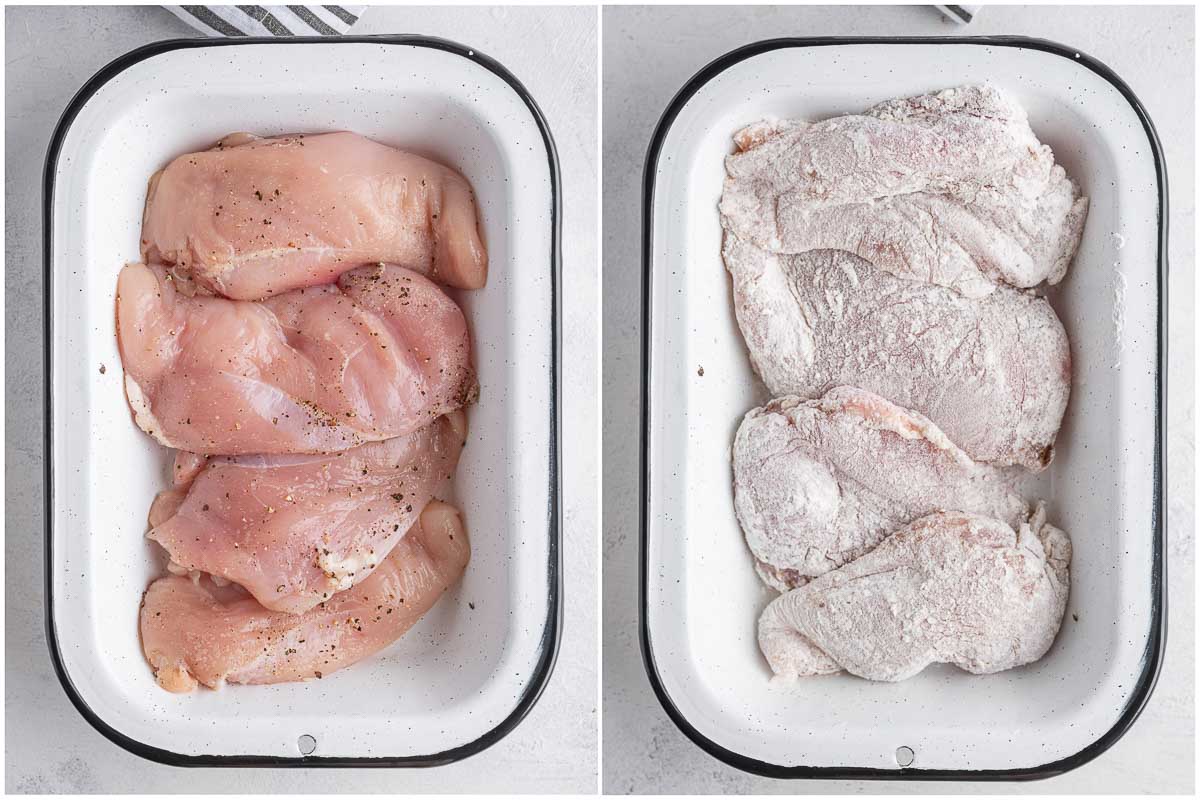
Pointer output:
951, 188
952, 588
993, 373
817, 483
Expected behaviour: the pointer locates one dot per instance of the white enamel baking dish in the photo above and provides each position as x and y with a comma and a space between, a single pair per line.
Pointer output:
700, 596
473, 667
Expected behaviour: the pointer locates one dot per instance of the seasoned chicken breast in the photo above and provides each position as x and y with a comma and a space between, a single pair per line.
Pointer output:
952, 588
295, 529
254, 217
194, 631
378, 354
817, 483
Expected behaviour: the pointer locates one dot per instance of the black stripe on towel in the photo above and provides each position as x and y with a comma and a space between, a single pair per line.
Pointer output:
312, 20
266, 18
342, 14
212, 20
961, 13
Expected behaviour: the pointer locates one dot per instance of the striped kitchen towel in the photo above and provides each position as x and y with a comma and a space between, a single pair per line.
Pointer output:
960, 14
269, 20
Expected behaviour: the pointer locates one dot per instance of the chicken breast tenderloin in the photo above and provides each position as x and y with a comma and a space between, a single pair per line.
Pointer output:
950, 588
378, 354
817, 483
294, 530
198, 632
952, 188
254, 216
993, 373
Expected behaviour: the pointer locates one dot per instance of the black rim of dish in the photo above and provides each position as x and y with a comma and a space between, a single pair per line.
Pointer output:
553, 625
1156, 640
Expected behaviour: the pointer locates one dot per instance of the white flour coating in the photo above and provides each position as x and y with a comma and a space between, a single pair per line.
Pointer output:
949, 588
932, 142
993, 372
819, 482
951, 188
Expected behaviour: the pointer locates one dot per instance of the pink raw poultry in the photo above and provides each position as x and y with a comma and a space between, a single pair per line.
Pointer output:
295, 529
255, 217
380, 354
198, 632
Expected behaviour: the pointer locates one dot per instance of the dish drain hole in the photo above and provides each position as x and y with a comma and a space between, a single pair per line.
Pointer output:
905, 756
307, 744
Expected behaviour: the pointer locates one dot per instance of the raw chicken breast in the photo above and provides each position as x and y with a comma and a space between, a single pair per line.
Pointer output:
255, 217
377, 355
992, 373
951, 588
951, 188
817, 483
293, 530
186, 467
194, 631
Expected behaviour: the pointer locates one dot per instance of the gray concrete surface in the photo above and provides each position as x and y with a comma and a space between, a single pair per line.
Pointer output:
49, 748
648, 53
